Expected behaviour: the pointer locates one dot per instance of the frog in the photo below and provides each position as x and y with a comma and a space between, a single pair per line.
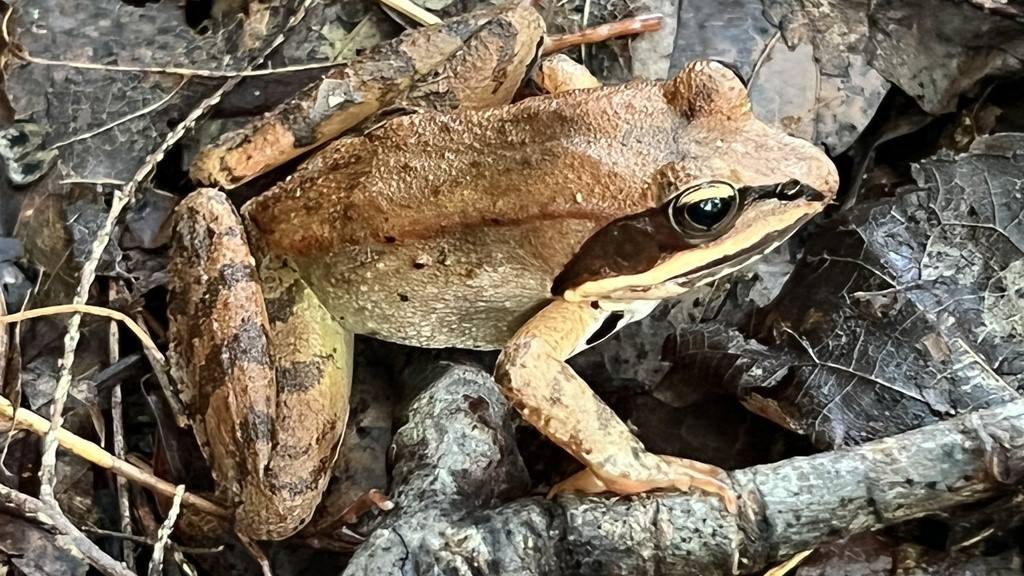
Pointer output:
538, 228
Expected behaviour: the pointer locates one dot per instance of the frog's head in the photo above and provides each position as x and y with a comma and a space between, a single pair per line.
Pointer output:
741, 189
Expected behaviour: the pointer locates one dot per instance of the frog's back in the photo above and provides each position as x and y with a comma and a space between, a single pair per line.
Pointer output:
447, 229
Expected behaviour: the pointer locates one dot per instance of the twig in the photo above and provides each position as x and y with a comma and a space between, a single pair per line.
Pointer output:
140, 112
25, 419
434, 485
96, 181
187, 73
19, 53
412, 11
787, 507
149, 542
583, 23
625, 27
117, 419
76, 541
4, 346
156, 561
555, 43
788, 565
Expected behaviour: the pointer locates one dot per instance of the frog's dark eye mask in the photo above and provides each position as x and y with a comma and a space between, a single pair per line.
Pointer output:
701, 219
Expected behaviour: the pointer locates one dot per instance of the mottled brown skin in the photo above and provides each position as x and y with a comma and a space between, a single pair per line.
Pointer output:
448, 230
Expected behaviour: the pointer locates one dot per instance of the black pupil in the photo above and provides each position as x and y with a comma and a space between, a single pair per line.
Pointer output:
709, 212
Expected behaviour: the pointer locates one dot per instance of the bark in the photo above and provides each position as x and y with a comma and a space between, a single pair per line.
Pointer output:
786, 507
456, 454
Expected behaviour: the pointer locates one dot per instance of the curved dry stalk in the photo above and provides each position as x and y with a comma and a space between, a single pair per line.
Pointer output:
152, 351
121, 198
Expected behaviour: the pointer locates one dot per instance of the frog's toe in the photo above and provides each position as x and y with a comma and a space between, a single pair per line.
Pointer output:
583, 481
670, 473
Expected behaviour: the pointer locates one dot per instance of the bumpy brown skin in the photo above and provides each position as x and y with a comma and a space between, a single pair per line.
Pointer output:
532, 369
447, 229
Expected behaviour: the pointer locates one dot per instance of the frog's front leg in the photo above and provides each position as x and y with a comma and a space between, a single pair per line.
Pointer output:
264, 370
553, 398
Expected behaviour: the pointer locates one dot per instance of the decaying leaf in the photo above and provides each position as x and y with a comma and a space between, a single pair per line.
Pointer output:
905, 311
806, 74
932, 49
36, 552
914, 316
104, 120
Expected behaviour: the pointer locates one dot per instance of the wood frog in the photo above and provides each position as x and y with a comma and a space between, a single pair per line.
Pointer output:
539, 228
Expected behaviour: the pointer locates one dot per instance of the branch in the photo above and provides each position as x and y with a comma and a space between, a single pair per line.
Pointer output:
786, 507
455, 455
76, 541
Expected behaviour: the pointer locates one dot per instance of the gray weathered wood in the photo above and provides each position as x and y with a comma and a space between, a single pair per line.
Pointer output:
786, 507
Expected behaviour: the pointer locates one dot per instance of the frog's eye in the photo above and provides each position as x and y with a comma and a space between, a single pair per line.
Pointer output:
705, 210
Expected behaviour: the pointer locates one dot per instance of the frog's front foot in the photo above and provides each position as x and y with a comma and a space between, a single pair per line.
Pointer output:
654, 473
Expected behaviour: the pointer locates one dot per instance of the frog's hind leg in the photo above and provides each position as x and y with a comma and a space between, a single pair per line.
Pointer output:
554, 399
313, 374
270, 372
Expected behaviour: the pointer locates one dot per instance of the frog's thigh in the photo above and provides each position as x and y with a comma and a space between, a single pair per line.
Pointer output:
554, 399
313, 371
270, 434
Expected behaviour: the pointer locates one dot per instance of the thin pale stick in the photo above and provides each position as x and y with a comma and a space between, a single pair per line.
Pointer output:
4, 343
140, 112
584, 22
20, 54
163, 535
117, 419
121, 197
789, 565
170, 70
27, 420
412, 11
149, 542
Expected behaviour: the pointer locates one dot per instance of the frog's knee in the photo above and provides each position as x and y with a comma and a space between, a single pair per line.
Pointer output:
706, 88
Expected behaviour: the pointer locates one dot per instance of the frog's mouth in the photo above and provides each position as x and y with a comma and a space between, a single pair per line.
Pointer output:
645, 256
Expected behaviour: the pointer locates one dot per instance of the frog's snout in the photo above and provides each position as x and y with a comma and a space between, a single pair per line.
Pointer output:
819, 172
